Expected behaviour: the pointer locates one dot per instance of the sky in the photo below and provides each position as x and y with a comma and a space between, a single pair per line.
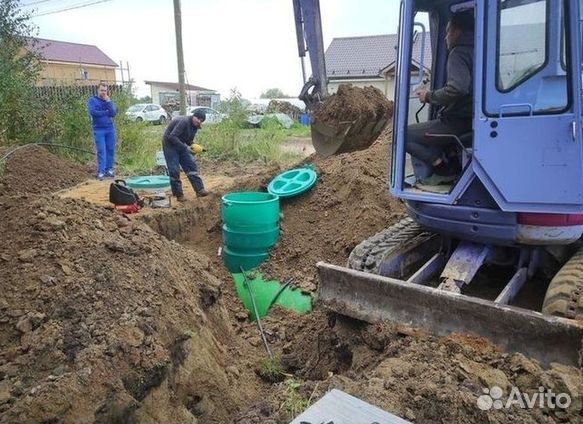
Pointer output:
248, 45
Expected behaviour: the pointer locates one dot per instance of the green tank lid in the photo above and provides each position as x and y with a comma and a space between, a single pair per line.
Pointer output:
148, 182
293, 182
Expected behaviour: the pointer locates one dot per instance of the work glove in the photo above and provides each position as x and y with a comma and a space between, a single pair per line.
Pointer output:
196, 149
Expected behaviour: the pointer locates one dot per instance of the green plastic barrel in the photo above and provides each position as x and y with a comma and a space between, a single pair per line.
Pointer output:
250, 209
244, 240
235, 261
250, 228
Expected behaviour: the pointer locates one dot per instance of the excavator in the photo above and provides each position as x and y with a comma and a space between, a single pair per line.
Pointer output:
473, 254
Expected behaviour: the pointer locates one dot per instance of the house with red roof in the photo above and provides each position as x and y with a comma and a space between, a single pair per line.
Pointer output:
65, 62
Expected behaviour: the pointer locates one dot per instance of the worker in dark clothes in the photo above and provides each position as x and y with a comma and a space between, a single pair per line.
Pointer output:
455, 100
176, 143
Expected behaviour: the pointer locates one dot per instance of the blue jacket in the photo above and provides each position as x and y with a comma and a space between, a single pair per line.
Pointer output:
101, 113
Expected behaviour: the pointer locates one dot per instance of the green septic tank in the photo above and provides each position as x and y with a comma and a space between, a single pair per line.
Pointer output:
250, 228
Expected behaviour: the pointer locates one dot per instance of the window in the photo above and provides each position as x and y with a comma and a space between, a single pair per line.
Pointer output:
522, 42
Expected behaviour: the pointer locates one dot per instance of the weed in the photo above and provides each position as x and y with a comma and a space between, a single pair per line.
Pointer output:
270, 370
226, 141
294, 404
298, 130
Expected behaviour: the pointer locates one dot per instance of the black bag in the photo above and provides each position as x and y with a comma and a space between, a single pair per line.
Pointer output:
121, 195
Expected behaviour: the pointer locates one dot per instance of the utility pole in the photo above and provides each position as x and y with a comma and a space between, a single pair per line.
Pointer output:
180, 55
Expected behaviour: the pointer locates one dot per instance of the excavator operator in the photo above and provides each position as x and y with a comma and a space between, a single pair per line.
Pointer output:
455, 99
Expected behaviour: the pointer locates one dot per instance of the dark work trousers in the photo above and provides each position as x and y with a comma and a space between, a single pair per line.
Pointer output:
420, 146
180, 157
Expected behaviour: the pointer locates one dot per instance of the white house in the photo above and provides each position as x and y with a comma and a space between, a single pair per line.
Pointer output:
164, 93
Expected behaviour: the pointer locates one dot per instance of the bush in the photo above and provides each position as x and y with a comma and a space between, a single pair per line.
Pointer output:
229, 142
19, 69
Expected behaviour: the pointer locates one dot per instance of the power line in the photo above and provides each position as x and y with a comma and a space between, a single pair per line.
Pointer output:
77, 6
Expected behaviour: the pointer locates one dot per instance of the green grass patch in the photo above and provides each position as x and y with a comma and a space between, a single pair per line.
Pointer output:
227, 141
294, 404
138, 143
270, 370
298, 130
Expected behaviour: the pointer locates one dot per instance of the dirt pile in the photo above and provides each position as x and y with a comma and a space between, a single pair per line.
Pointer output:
104, 320
352, 103
36, 170
277, 106
355, 115
349, 203
418, 377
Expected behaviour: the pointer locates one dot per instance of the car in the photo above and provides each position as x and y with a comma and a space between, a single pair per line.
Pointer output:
149, 112
212, 116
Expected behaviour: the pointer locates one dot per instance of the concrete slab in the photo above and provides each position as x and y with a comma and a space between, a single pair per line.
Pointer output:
341, 408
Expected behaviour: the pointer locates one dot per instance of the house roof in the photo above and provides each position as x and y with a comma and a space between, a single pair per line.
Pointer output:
64, 51
367, 56
176, 86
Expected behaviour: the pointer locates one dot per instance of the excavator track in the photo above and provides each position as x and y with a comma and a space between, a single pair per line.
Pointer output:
369, 254
564, 296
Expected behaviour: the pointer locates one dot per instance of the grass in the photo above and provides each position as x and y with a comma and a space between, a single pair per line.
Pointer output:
270, 370
222, 142
227, 141
294, 404
298, 130
133, 160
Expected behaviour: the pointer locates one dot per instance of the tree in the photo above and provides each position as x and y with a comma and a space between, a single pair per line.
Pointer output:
144, 99
274, 93
19, 69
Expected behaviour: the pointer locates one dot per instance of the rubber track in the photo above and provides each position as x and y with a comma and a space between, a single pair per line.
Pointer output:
368, 255
564, 296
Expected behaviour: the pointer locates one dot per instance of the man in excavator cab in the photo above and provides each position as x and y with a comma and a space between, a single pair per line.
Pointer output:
455, 99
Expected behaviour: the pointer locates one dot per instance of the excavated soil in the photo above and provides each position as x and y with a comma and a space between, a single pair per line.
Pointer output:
404, 371
103, 319
357, 115
351, 103
36, 170
349, 203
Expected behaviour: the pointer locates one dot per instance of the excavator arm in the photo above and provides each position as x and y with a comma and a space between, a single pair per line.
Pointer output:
310, 39
331, 133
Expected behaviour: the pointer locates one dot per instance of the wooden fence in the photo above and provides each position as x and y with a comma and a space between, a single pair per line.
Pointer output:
66, 91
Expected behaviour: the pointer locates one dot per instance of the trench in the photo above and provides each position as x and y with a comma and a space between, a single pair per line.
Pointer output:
402, 370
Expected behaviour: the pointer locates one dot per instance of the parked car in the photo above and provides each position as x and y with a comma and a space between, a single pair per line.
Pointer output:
148, 112
212, 116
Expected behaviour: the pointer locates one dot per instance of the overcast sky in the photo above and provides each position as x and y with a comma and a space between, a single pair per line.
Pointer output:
245, 44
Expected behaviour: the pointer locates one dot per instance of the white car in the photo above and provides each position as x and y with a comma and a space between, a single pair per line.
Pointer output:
212, 116
148, 112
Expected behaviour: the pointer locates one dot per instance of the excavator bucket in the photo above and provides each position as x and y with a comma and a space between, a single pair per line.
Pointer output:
373, 298
346, 136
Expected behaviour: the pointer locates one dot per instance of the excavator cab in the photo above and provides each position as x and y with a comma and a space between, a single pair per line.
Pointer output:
527, 76
516, 205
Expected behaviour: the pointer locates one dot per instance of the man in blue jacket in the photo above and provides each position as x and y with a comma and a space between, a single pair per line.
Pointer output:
176, 143
102, 110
